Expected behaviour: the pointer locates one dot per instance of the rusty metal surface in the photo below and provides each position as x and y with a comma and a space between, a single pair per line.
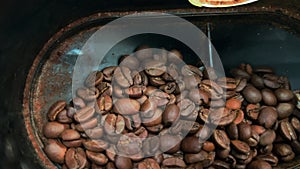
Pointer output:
50, 76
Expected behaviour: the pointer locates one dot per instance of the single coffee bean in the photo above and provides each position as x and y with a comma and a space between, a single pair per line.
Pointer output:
284, 151
269, 97
239, 73
240, 146
245, 131
266, 149
240, 116
271, 83
251, 94
105, 103
169, 143
241, 85
257, 81
253, 140
148, 163
122, 75
156, 119
198, 96
128, 60
284, 110
284, 95
148, 108
88, 94
75, 158
259, 164
62, 117
171, 114
186, 107
221, 164
173, 162
55, 151
84, 114
221, 139
94, 133
267, 116
126, 106
270, 158
223, 153
253, 111
160, 97
108, 72
240, 156
73, 143
70, 134
94, 79
191, 145
232, 131
105, 88
190, 70
129, 144
97, 158
95, 145
208, 146
53, 129
123, 162
267, 137
151, 146
56, 108
135, 91
114, 124
157, 81
155, 68
296, 124
222, 116
287, 131
87, 125
141, 132
156, 128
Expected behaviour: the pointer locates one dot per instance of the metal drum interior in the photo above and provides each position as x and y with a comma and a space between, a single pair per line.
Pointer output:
258, 39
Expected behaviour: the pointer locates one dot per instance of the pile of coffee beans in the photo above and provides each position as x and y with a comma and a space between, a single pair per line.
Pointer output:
152, 111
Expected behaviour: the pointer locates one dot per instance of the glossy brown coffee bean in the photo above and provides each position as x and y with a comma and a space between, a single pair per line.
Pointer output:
284, 151
270, 158
258, 129
267, 137
105, 103
199, 96
75, 158
239, 73
240, 146
245, 131
190, 70
241, 85
221, 116
95, 145
87, 125
73, 143
55, 151
284, 110
151, 146
296, 124
223, 153
157, 81
267, 117
160, 97
208, 146
266, 149
148, 163
252, 111
156, 128
253, 140
251, 94
169, 143
56, 108
70, 134
156, 119
155, 68
94, 79
130, 61
269, 97
175, 162
53, 129
97, 158
221, 164
171, 114
126, 106
122, 75
287, 131
240, 116
114, 124
232, 131
193, 158
259, 164
84, 114
213, 85
271, 83
191, 145
123, 162
221, 139
284, 95
257, 81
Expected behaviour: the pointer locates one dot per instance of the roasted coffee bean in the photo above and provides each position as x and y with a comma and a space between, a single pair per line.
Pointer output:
198, 157
130, 61
56, 108
169, 143
160, 97
94, 79
222, 116
87, 125
148, 108
253, 111
105, 88
257, 81
123, 162
221, 139
126, 106
156, 119
241, 85
190, 70
141, 132
69, 135
266, 149
122, 75
284, 110
284, 95
105, 103
151, 146
251, 94
267, 116
271, 83
209, 160
55, 151
223, 153
240, 146
114, 124
232, 131
171, 114
53, 129
174, 162
191, 145
240, 116
108, 72
95, 145
270, 158
129, 144
259, 164
156, 128
84, 114
269, 97
233, 103
94, 133
239, 73
198, 96
157, 81
75, 158
155, 68
62, 117
296, 124
253, 140
284, 151
221, 164
267, 137
97, 158
88, 94
287, 131
245, 131
208, 146
186, 107
73, 143
148, 163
